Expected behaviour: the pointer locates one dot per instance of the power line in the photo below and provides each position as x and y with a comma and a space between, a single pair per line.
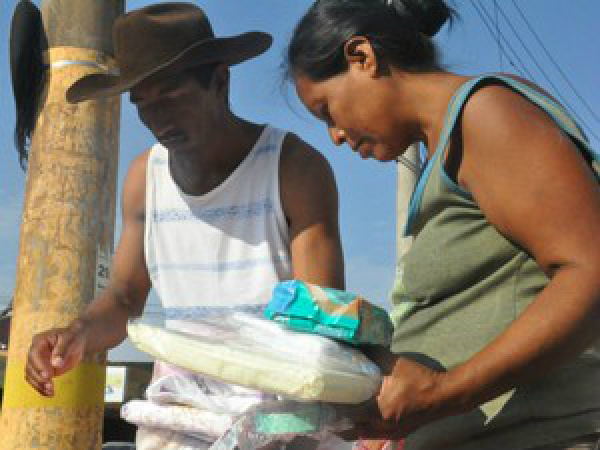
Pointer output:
557, 91
521, 69
556, 65
533, 58
498, 32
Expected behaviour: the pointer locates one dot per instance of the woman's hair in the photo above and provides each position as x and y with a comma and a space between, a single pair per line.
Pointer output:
400, 32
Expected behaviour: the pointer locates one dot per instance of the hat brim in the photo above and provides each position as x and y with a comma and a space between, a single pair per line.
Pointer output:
227, 50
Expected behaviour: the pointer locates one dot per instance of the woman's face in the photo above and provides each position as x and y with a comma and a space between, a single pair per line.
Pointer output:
353, 107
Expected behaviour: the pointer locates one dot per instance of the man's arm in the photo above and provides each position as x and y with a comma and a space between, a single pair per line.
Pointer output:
310, 202
125, 296
103, 324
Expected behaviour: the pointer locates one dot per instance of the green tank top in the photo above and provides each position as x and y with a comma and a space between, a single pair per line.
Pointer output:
463, 283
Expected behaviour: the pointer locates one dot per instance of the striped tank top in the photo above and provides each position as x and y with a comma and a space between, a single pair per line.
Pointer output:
221, 251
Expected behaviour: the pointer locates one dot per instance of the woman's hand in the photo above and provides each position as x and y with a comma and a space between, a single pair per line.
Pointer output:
409, 397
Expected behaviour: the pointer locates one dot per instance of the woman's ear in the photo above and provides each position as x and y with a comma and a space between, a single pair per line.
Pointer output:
359, 52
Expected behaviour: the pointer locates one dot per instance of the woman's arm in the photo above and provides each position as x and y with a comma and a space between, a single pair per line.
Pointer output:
530, 181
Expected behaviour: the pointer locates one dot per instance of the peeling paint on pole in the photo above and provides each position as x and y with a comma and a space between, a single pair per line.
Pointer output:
66, 232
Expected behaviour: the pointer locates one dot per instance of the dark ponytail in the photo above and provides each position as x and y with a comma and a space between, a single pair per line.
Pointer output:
430, 15
27, 72
400, 31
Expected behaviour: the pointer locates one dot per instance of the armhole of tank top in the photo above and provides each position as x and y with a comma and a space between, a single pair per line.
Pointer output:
466, 90
561, 118
555, 111
455, 107
148, 211
279, 137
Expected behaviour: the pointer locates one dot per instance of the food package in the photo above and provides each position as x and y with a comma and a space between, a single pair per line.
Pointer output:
329, 312
282, 421
194, 422
261, 354
172, 385
148, 438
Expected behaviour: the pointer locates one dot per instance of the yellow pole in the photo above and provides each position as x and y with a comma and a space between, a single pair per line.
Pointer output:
67, 230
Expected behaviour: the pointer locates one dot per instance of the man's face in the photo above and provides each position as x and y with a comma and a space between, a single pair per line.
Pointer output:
177, 109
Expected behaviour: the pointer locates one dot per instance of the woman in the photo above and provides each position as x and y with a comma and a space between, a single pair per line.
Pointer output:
497, 345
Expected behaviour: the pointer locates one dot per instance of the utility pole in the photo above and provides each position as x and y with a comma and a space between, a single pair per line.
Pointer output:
67, 230
408, 175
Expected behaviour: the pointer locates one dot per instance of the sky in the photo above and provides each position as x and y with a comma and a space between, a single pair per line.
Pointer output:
566, 29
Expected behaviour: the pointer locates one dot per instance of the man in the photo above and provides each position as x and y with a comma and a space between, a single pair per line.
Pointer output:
214, 214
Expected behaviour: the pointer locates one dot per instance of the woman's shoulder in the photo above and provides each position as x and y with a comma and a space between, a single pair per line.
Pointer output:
496, 106
500, 85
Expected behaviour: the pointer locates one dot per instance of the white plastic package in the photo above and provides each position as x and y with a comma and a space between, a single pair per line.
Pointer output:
259, 354
160, 438
173, 385
188, 408
194, 422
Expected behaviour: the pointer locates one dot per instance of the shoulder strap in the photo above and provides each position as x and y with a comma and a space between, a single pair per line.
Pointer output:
454, 109
556, 111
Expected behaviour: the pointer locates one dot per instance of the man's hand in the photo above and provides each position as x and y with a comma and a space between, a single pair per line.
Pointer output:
52, 353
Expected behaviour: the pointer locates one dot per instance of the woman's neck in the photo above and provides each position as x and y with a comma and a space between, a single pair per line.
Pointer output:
424, 102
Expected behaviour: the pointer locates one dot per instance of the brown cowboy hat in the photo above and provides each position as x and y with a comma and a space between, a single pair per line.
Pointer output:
173, 36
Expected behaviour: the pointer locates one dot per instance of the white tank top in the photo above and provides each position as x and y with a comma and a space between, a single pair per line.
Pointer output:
220, 251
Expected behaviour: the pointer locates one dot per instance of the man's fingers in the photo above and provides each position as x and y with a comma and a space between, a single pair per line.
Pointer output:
39, 369
39, 354
57, 358
41, 384
65, 350
34, 376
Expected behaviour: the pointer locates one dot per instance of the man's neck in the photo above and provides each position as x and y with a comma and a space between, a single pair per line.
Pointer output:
201, 171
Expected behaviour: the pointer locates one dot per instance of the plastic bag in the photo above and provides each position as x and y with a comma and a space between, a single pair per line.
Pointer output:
329, 312
188, 408
174, 385
280, 422
162, 439
200, 424
260, 354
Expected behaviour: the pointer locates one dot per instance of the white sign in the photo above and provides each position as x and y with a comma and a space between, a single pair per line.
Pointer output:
116, 378
102, 270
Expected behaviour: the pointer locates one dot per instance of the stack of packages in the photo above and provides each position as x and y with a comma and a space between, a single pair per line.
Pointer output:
285, 371
184, 410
